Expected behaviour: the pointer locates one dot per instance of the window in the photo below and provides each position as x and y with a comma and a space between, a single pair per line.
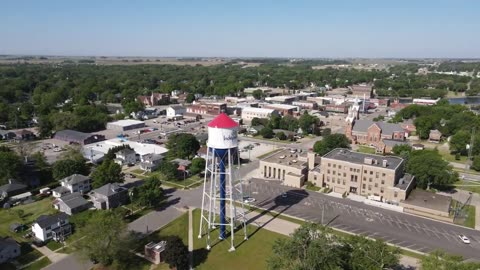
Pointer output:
363, 186
334, 165
344, 182
328, 178
329, 164
377, 174
351, 169
369, 187
365, 171
371, 172
334, 172
381, 190
376, 184
370, 179
383, 182
338, 181
395, 194
344, 174
49, 235
339, 166
364, 178
328, 171
383, 174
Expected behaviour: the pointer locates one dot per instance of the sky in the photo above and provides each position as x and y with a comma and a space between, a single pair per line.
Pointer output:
242, 28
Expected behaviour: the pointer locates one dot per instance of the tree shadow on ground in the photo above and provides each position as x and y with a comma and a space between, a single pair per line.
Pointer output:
199, 256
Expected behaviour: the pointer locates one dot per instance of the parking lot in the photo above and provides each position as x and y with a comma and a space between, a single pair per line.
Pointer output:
404, 230
250, 150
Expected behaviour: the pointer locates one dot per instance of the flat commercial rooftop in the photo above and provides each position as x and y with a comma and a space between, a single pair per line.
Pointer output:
139, 148
126, 122
288, 157
359, 158
429, 200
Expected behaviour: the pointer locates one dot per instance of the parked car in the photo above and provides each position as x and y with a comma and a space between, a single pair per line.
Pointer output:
249, 200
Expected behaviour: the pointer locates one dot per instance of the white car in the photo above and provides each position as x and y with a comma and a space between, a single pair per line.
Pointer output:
249, 200
464, 239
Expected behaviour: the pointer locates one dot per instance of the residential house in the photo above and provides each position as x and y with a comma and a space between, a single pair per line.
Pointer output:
73, 183
182, 164
126, 156
153, 251
367, 132
435, 135
54, 227
154, 99
11, 189
109, 196
150, 162
9, 249
176, 112
24, 134
71, 203
254, 130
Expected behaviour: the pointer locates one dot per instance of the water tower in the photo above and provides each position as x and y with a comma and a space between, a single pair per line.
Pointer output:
222, 187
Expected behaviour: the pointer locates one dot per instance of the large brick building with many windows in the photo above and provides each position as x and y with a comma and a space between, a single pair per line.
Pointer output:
346, 171
381, 135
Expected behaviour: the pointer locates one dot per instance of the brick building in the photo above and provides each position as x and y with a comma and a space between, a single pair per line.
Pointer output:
375, 134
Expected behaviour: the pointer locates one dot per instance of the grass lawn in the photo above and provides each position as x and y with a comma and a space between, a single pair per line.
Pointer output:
470, 222
449, 157
312, 187
38, 264
30, 213
469, 186
251, 254
366, 149
28, 254
179, 183
137, 171
53, 245
268, 153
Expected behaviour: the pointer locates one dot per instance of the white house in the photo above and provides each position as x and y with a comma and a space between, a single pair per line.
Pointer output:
149, 162
73, 183
54, 227
176, 111
126, 156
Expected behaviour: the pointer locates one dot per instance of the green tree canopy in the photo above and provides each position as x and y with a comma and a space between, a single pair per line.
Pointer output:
182, 145
257, 94
150, 193
198, 165
331, 142
107, 172
368, 254
168, 170
104, 238
440, 260
176, 253
66, 167
281, 135
429, 168
10, 164
267, 133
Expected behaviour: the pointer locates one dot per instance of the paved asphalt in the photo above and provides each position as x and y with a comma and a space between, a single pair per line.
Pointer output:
401, 229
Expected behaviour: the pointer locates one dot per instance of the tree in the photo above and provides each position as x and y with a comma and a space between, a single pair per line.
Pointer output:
440, 260
176, 253
10, 164
368, 254
459, 141
107, 172
42, 167
402, 150
104, 238
190, 98
66, 167
476, 163
198, 165
267, 133
132, 106
257, 94
307, 122
378, 118
429, 168
312, 246
168, 169
331, 142
259, 121
150, 193
182, 145
281, 135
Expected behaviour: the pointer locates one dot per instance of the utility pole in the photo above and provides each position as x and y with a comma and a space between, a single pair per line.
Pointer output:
470, 149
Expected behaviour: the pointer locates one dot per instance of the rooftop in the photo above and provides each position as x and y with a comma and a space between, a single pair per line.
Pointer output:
108, 189
73, 200
73, 134
139, 148
281, 106
74, 179
362, 158
387, 128
7, 242
126, 122
257, 110
44, 221
288, 157
405, 181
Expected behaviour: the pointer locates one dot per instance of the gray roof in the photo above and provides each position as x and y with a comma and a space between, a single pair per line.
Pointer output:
61, 189
7, 243
109, 189
12, 187
182, 162
73, 200
387, 128
74, 179
359, 158
393, 142
44, 221
177, 107
72, 135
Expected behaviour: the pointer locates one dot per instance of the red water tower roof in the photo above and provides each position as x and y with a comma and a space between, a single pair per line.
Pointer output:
222, 121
